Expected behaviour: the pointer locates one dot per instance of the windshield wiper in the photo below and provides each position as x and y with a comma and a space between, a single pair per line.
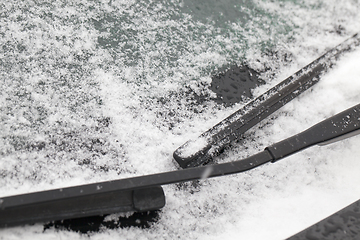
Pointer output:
145, 192
210, 143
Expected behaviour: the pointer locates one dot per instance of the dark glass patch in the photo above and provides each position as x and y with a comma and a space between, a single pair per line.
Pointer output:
97, 223
235, 84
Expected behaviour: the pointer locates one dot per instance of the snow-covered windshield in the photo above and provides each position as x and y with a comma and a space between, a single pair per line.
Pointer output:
100, 90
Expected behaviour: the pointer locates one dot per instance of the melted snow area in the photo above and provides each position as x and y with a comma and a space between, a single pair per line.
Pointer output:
99, 90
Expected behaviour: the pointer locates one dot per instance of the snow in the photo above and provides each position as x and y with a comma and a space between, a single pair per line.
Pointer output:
95, 91
192, 147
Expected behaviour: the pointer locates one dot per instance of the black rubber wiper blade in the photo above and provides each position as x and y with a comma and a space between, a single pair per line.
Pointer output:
142, 193
145, 193
201, 150
344, 224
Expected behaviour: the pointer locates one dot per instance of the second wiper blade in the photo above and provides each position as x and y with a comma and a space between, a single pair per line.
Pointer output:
201, 150
145, 193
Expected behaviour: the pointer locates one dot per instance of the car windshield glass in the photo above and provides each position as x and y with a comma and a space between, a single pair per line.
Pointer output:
96, 90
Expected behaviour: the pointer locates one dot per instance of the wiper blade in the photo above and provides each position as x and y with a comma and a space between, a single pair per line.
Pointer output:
344, 224
145, 193
210, 143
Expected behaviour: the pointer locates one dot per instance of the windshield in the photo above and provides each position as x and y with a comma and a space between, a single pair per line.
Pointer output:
100, 90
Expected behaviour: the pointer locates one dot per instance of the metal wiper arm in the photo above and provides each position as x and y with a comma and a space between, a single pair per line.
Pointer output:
145, 193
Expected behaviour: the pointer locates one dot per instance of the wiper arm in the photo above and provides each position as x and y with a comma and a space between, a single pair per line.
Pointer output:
145, 193
336, 128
